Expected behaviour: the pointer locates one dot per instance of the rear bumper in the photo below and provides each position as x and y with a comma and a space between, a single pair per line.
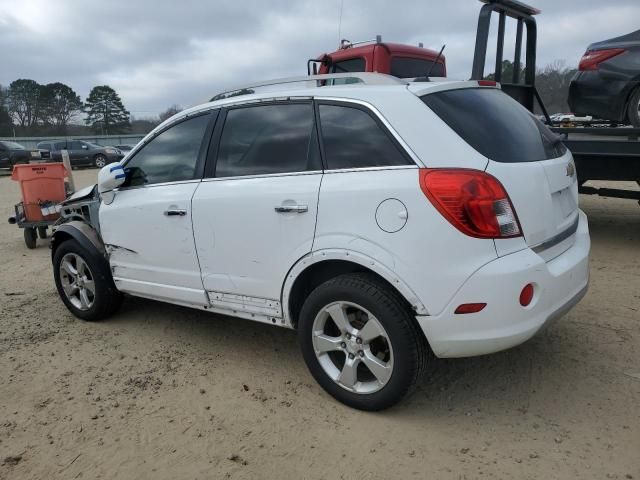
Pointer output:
590, 93
558, 285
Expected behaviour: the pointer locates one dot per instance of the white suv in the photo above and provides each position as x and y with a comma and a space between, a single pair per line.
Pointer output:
384, 220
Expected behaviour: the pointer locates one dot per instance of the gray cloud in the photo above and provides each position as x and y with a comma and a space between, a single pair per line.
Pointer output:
156, 53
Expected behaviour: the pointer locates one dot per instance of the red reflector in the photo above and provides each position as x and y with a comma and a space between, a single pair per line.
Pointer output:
526, 295
592, 58
470, 307
487, 83
473, 201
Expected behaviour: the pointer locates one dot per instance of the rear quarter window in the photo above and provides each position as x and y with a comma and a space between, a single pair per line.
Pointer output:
495, 125
353, 139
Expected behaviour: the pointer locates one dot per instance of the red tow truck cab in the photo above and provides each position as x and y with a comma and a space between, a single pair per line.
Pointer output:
403, 61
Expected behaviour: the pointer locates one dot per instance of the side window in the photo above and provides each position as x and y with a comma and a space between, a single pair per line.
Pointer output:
60, 145
45, 146
268, 139
171, 156
351, 65
75, 145
353, 139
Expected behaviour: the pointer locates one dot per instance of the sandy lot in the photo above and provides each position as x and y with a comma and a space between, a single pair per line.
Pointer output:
164, 392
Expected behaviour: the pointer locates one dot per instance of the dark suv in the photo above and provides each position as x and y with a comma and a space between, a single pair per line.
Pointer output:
81, 153
607, 84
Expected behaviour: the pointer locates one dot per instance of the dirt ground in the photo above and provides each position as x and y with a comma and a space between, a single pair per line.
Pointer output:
165, 392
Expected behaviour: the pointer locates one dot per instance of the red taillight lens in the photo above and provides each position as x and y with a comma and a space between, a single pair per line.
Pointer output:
487, 83
473, 201
592, 58
470, 308
526, 295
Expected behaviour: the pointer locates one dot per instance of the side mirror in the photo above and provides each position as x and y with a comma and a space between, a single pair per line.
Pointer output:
110, 176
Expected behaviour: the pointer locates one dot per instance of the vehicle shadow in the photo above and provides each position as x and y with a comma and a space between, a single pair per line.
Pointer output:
502, 382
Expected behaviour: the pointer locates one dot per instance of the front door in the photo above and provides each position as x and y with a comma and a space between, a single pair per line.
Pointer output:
147, 227
256, 216
78, 155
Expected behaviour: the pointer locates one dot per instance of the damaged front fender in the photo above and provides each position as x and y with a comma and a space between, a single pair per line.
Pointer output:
81, 232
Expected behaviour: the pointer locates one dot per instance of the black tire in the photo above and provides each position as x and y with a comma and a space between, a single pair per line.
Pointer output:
42, 232
410, 349
30, 238
634, 108
100, 161
107, 298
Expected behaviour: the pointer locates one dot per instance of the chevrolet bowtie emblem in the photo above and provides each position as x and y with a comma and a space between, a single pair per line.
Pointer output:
571, 170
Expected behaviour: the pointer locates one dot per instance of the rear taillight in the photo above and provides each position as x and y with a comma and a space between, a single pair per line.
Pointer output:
592, 58
473, 201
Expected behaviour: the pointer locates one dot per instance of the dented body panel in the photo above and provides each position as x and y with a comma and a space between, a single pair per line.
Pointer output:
152, 253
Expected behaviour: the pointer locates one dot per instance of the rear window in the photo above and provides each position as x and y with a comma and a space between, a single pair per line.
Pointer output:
495, 125
406, 67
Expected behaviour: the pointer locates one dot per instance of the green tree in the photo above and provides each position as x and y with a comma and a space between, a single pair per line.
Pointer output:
59, 105
6, 125
24, 102
105, 112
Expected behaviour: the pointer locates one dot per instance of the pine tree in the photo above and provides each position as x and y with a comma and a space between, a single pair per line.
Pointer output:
105, 112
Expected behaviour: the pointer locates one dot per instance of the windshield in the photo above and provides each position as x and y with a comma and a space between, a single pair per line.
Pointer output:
495, 125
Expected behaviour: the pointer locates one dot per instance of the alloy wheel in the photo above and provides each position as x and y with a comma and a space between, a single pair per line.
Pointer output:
352, 347
77, 281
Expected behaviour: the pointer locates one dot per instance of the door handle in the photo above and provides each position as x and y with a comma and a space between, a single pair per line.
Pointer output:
175, 212
291, 208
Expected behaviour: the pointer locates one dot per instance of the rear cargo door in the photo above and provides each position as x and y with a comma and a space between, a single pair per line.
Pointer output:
535, 168
544, 194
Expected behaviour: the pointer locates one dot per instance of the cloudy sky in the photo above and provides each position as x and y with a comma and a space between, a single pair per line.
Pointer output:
159, 52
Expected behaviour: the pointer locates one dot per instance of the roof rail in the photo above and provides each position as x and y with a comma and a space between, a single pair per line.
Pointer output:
368, 78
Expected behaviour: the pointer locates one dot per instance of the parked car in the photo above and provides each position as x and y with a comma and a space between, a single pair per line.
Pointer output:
81, 153
607, 84
386, 222
12, 153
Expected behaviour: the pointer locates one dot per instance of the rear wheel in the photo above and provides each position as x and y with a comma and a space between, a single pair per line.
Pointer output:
84, 282
100, 161
634, 108
360, 342
42, 232
30, 237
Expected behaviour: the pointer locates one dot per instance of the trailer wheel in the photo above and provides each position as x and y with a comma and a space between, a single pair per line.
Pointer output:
30, 237
634, 108
42, 232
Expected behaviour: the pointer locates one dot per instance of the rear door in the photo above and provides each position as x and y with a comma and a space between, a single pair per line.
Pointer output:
529, 160
256, 214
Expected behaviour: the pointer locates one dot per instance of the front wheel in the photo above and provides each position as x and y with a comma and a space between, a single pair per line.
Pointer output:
100, 161
360, 342
84, 282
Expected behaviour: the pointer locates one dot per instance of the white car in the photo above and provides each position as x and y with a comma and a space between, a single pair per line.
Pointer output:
386, 221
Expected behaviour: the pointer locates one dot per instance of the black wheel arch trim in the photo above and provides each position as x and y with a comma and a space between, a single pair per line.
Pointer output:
84, 234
